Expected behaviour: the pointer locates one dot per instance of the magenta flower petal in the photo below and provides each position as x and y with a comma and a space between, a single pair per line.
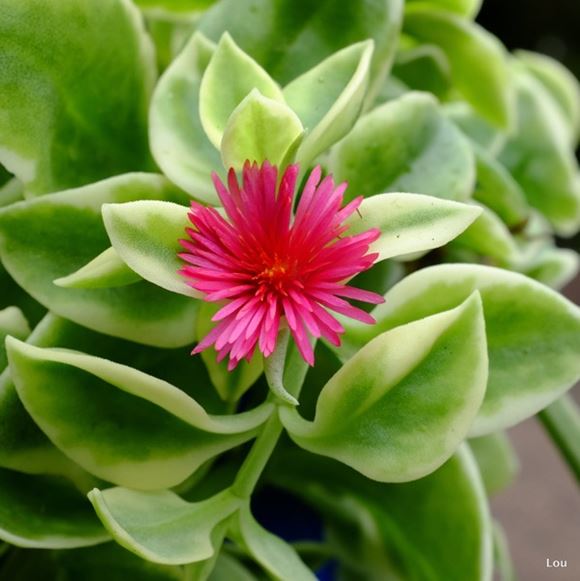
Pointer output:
266, 266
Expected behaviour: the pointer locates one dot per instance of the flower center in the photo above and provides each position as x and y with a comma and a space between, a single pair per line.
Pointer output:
274, 276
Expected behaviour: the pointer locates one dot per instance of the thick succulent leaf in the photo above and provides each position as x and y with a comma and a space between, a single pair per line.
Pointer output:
329, 97
378, 414
497, 460
424, 68
533, 334
218, 99
12, 322
56, 129
496, 188
45, 512
468, 8
276, 556
540, 159
553, 266
160, 526
230, 385
560, 83
411, 222
24, 447
145, 234
478, 61
104, 271
405, 145
113, 563
73, 234
178, 142
480, 131
488, 236
501, 554
119, 423
309, 32
10, 192
435, 528
260, 129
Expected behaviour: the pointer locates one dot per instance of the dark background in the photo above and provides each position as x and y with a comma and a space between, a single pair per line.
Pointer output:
541, 511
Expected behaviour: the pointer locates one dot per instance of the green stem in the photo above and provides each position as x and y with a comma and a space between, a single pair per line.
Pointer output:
562, 422
256, 461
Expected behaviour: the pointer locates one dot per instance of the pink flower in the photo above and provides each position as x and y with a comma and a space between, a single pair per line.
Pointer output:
267, 265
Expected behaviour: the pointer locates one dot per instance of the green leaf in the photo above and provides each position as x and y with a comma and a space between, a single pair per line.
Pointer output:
57, 129
499, 191
160, 526
12, 322
434, 528
121, 424
227, 568
560, 83
276, 556
405, 145
467, 8
113, 563
478, 61
533, 334
497, 461
175, 5
289, 37
501, 554
424, 68
45, 512
411, 222
72, 234
11, 192
230, 385
260, 129
540, 158
145, 234
329, 98
229, 77
104, 271
480, 131
178, 141
489, 237
553, 266
400, 407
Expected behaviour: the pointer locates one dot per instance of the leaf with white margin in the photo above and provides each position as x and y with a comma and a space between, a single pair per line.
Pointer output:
146, 234
276, 556
489, 237
229, 77
12, 322
160, 526
553, 266
401, 406
121, 424
72, 234
467, 8
560, 83
230, 385
498, 190
288, 37
497, 460
260, 129
178, 142
533, 334
479, 65
435, 528
411, 222
405, 145
45, 512
104, 271
57, 130
539, 156
329, 97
